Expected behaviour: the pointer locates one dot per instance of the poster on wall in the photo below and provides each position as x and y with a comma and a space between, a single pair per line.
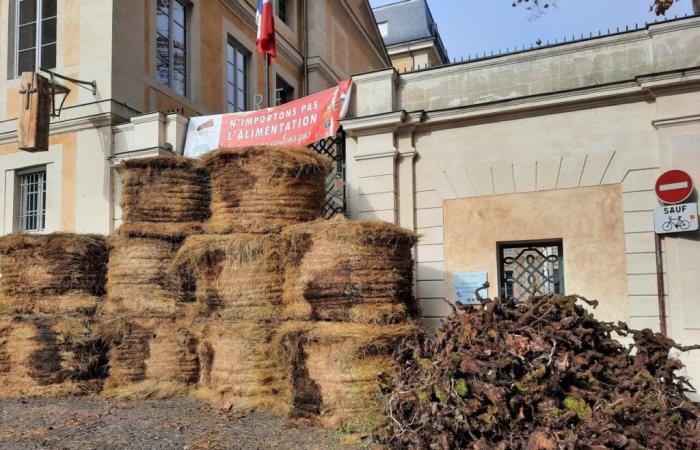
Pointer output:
300, 122
466, 284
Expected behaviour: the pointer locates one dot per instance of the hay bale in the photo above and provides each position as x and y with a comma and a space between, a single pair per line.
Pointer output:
163, 197
341, 270
149, 358
260, 189
238, 368
41, 266
238, 277
336, 369
44, 355
72, 303
140, 281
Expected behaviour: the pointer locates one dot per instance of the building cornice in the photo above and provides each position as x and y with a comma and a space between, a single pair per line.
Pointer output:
379, 123
679, 120
317, 64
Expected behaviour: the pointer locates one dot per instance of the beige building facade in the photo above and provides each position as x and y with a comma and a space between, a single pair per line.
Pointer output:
154, 63
542, 161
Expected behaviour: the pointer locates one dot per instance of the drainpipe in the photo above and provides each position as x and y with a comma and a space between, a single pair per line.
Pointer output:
305, 38
661, 289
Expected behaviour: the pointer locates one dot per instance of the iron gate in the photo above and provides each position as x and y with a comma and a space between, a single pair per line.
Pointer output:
529, 269
334, 148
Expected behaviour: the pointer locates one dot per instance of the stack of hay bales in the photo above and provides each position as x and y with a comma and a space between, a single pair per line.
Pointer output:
153, 351
239, 269
49, 290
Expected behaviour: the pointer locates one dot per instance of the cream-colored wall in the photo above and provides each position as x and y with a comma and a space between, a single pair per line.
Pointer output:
588, 220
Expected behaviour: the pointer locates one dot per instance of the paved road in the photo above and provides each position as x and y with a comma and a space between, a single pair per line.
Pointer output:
84, 423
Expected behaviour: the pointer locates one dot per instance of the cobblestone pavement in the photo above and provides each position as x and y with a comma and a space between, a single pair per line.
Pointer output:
85, 423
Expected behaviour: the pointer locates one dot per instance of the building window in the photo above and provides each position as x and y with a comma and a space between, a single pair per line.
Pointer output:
283, 10
171, 44
236, 77
35, 35
32, 200
384, 28
284, 92
527, 269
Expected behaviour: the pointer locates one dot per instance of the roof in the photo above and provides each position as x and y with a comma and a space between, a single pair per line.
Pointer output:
408, 21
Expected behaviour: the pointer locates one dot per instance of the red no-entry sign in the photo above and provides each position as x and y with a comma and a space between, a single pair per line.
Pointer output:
674, 186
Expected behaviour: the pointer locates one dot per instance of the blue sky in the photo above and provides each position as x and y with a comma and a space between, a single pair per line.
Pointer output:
468, 27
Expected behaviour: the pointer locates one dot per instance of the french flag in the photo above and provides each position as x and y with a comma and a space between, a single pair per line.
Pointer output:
266, 29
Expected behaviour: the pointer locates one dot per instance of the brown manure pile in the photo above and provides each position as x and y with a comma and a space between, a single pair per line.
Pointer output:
45, 355
542, 374
149, 358
140, 281
163, 197
239, 369
237, 277
342, 270
54, 273
261, 189
336, 369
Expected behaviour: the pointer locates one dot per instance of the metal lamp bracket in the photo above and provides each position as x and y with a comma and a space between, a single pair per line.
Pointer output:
57, 88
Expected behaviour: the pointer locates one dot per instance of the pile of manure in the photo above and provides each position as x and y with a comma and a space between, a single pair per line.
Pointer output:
48, 355
342, 270
55, 273
336, 369
540, 374
239, 369
261, 189
237, 276
149, 357
163, 197
140, 280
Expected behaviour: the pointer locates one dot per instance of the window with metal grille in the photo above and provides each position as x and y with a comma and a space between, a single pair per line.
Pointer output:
236, 77
32, 200
534, 268
35, 35
284, 92
171, 44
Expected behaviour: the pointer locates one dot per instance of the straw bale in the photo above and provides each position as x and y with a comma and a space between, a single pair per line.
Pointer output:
238, 368
72, 303
163, 197
261, 189
46, 355
149, 358
341, 270
41, 266
337, 368
238, 277
140, 281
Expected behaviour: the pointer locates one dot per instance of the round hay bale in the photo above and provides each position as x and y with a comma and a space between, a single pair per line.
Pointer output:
163, 197
341, 270
237, 277
337, 368
39, 266
45, 355
140, 281
149, 358
238, 368
261, 189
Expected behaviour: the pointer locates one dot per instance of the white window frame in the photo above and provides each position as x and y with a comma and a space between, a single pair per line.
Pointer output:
186, 5
232, 103
23, 213
38, 46
279, 90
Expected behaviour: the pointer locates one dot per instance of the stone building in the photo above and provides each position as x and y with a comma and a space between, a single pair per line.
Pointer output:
411, 35
150, 59
540, 162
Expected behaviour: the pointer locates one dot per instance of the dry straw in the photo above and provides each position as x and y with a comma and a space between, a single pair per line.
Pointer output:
149, 358
341, 270
139, 280
239, 370
44, 355
261, 189
55, 273
238, 277
163, 197
336, 368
